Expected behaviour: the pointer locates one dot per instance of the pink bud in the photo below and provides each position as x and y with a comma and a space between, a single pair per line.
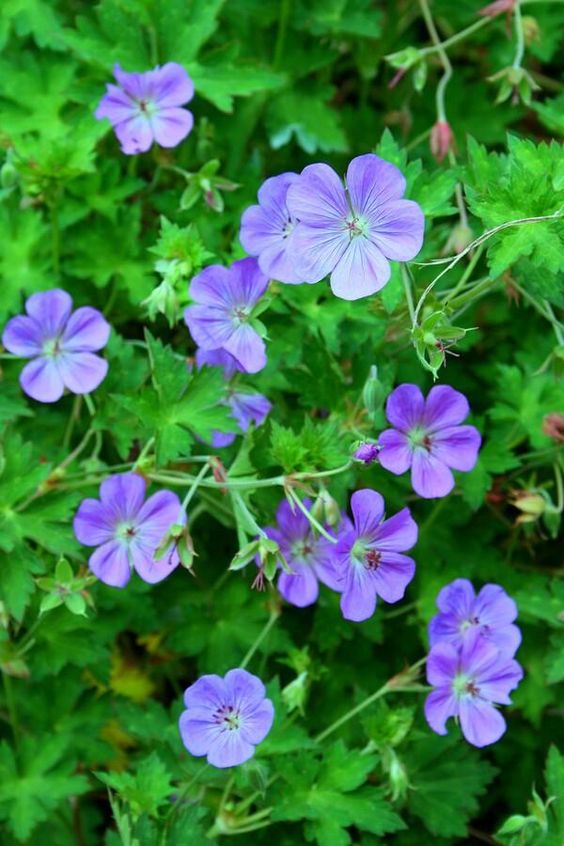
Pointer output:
441, 139
497, 8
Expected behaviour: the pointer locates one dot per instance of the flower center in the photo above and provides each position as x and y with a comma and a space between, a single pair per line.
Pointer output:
227, 717
366, 556
241, 313
126, 531
146, 107
372, 559
302, 549
418, 437
356, 226
52, 348
464, 685
288, 228
466, 624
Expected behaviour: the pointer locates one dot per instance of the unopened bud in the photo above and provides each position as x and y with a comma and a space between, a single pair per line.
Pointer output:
553, 426
531, 30
325, 509
294, 694
458, 239
497, 8
532, 505
397, 773
373, 392
441, 139
366, 452
163, 300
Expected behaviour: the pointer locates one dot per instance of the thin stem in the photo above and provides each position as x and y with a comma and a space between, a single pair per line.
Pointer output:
74, 416
481, 286
90, 404
238, 499
283, 20
556, 325
194, 486
144, 452
408, 294
445, 61
559, 487
269, 624
519, 35
545, 312
311, 519
454, 39
465, 276
55, 236
76, 452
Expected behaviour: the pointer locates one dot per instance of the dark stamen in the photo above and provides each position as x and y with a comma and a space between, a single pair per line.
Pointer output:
372, 559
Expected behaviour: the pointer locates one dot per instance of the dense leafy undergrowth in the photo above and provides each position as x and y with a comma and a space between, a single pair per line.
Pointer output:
467, 102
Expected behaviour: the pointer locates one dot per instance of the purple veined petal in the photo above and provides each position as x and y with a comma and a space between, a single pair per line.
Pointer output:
244, 690
210, 327
93, 524
358, 600
249, 408
442, 665
23, 337
506, 638
134, 84
273, 194
317, 197
219, 440
373, 182
328, 571
123, 495
301, 588
367, 507
171, 126
439, 706
213, 286
157, 515
457, 446
86, 331
361, 271
229, 749
398, 533
110, 563
134, 134
397, 230
292, 524
457, 598
51, 310
41, 380
481, 723
208, 692
405, 407
171, 85
396, 452
444, 627
478, 656
494, 607
247, 347
496, 683
259, 230
147, 567
430, 478
258, 723
82, 372
444, 407
116, 105
248, 281
217, 358
316, 252
198, 735
277, 262
393, 575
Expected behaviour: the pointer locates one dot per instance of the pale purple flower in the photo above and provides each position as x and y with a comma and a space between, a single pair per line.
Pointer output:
246, 408
267, 230
367, 452
61, 345
468, 683
428, 438
222, 317
128, 530
368, 556
145, 107
310, 557
491, 613
226, 718
351, 231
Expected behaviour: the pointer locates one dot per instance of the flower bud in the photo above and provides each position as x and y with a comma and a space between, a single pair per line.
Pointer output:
497, 8
325, 509
441, 139
531, 30
553, 426
366, 452
163, 300
532, 504
373, 393
458, 239
397, 773
294, 694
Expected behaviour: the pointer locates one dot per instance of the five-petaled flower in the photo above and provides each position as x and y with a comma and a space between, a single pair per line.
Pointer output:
145, 107
222, 315
462, 612
127, 530
350, 231
309, 557
226, 718
267, 230
368, 557
428, 438
468, 683
61, 345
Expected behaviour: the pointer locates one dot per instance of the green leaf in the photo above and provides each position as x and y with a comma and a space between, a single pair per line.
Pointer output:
147, 790
306, 115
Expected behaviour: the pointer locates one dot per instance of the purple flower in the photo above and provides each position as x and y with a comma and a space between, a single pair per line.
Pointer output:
351, 232
491, 612
144, 107
222, 316
309, 557
368, 556
245, 408
267, 230
367, 452
61, 345
127, 530
426, 437
468, 683
226, 718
